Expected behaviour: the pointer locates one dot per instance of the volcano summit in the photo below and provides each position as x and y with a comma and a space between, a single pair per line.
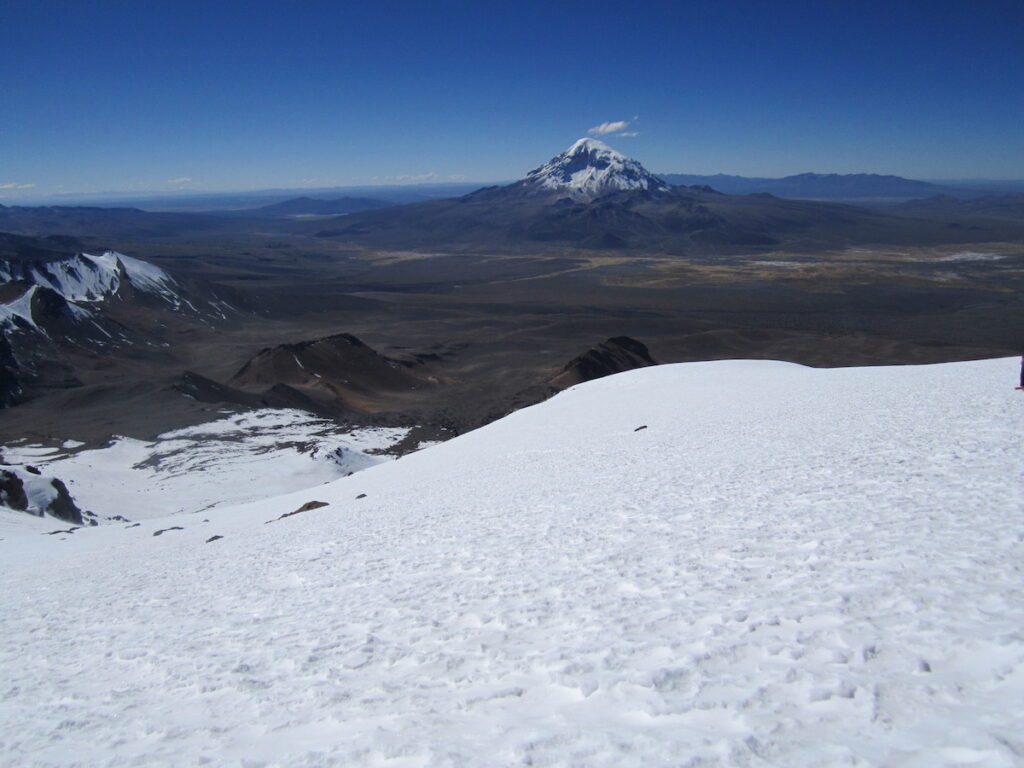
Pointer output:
593, 197
589, 169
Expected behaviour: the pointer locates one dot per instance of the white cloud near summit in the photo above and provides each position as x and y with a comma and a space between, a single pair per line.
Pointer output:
414, 178
16, 185
180, 180
617, 128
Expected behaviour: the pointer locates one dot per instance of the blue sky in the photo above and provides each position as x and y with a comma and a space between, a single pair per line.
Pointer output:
157, 96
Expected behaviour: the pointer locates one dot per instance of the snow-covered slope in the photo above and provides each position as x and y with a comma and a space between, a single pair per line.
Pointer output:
714, 564
83, 277
239, 457
590, 168
18, 313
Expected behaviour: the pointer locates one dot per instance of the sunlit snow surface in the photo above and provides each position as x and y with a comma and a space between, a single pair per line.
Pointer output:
787, 567
19, 309
237, 458
591, 167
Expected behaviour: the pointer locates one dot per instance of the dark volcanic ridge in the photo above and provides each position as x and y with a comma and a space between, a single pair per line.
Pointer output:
339, 365
337, 376
615, 355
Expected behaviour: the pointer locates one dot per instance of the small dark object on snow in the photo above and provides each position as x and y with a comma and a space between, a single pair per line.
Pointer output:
33, 470
213, 538
120, 519
69, 530
172, 528
642, 426
133, 525
308, 506
361, 496
304, 508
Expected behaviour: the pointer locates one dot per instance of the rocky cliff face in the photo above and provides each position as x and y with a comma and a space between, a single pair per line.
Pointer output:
612, 356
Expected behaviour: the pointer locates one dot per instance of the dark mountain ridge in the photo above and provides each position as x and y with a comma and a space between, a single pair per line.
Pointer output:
614, 355
825, 186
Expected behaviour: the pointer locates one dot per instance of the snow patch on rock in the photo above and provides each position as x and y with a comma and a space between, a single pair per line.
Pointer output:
18, 313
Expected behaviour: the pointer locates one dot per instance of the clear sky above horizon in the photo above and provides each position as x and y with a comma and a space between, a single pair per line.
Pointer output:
170, 96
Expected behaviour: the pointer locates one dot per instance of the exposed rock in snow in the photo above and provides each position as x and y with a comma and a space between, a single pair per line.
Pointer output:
23, 490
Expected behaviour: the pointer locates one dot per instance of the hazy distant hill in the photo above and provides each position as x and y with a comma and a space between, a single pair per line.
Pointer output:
300, 206
237, 202
823, 186
92, 221
990, 206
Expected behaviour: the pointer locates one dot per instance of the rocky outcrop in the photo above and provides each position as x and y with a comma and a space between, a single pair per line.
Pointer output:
38, 495
612, 356
339, 369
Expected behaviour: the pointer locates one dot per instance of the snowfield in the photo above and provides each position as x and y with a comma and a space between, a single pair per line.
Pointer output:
786, 567
237, 458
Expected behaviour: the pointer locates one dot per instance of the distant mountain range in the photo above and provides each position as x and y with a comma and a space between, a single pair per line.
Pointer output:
310, 206
591, 196
107, 223
825, 186
860, 187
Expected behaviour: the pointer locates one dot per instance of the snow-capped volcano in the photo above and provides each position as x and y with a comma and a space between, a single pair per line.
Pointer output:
590, 168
